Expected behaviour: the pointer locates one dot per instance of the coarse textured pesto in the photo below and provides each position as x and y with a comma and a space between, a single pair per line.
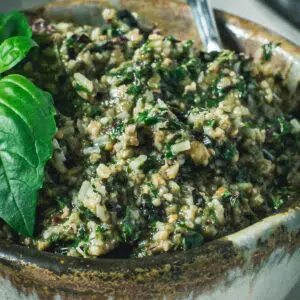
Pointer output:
160, 146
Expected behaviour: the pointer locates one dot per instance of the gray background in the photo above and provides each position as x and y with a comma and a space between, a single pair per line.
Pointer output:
254, 10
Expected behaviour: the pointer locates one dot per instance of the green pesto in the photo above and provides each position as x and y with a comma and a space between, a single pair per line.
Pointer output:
163, 147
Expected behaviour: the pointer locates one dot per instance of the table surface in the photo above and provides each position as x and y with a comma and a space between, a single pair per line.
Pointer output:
254, 10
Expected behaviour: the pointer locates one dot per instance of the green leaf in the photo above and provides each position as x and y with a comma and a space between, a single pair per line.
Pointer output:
14, 24
192, 239
285, 126
13, 50
134, 89
130, 227
277, 203
26, 132
143, 117
117, 130
229, 151
268, 50
210, 123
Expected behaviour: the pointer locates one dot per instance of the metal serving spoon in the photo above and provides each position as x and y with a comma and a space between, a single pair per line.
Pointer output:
206, 24
207, 28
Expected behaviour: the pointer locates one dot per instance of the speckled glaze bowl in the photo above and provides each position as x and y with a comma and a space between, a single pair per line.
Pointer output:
260, 262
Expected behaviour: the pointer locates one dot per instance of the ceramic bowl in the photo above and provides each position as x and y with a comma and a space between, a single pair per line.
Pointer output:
259, 262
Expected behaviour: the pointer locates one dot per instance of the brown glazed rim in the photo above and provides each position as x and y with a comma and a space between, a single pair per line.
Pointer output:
171, 272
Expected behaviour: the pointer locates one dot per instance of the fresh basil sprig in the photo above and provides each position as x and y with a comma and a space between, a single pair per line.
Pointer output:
26, 131
27, 126
15, 39
14, 50
14, 24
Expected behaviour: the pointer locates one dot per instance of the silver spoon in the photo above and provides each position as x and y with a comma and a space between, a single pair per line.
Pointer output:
207, 28
206, 24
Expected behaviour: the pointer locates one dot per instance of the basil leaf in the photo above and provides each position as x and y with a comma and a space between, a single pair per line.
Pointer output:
14, 24
13, 50
26, 132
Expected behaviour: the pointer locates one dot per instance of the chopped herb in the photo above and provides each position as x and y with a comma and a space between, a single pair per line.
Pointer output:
134, 89
231, 198
187, 44
150, 212
210, 103
242, 175
277, 202
174, 124
63, 202
207, 141
181, 223
130, 231
124, 74
117, 130
115, 31
86, 213
194, 65
153, 190
147, 48
102, 228
281, 197
210, 123
144, 117
171, 78
54, 238
268, 50
82, 233
242, 88
229, 151
249, 124
190, 98
169, 154
226, 195
192, 239
172, 39
285, 126
153, 161
212, 215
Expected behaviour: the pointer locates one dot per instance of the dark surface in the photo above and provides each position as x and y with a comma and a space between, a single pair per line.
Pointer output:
290, 9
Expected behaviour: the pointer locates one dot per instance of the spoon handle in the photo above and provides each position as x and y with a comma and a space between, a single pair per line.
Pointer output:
206, 25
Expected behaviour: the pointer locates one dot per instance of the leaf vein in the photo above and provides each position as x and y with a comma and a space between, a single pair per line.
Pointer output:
11, 191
